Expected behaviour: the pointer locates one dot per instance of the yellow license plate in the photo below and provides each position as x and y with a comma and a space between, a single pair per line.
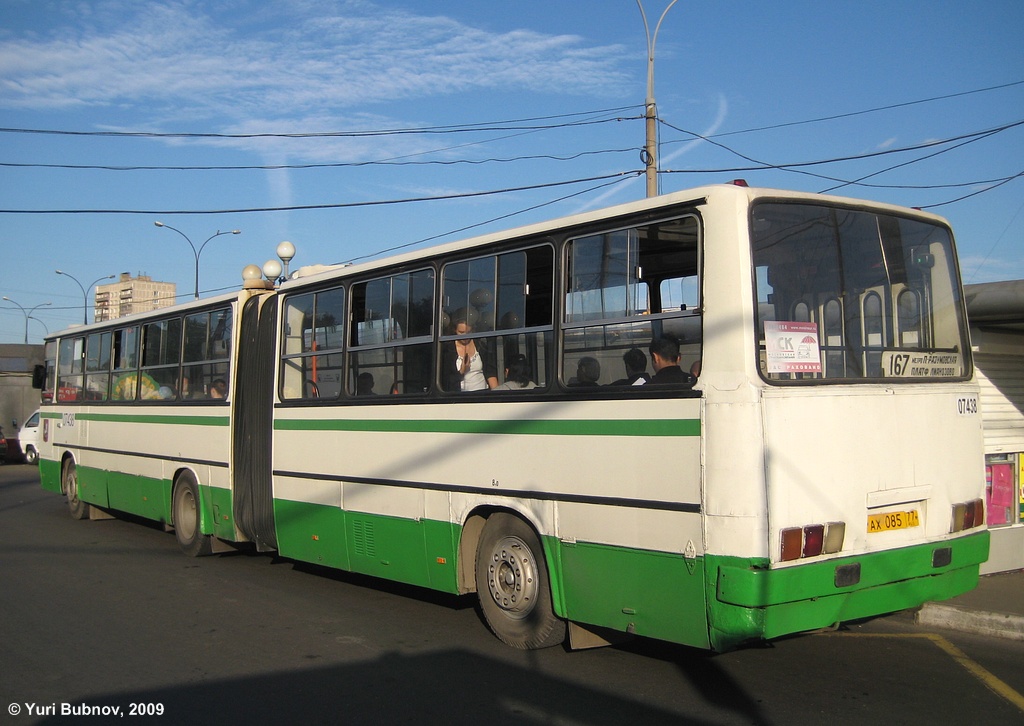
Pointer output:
892, 520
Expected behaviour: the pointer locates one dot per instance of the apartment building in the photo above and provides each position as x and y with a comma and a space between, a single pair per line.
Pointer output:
132, 295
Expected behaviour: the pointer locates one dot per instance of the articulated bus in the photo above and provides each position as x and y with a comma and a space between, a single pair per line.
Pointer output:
494, 416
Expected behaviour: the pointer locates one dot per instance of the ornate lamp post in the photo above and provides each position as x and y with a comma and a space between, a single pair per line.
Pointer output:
85, 292
26, 313
199, 251
651, 148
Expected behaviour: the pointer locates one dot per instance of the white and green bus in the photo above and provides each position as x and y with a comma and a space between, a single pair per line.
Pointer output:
713, 417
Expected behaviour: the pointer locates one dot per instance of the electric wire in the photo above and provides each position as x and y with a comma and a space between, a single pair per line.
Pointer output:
488, 221
517, 125
335, 205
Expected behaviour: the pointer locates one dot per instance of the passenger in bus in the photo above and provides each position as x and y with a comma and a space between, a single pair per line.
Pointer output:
695, 369
219, 389
588, 372
517, 374
635, 361
665, 361
364, 384
468, 364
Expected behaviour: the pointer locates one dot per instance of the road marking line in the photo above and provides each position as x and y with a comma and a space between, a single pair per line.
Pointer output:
988, 679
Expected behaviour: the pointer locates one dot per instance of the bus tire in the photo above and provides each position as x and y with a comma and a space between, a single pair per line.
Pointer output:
69, 482
513, 587
185, 510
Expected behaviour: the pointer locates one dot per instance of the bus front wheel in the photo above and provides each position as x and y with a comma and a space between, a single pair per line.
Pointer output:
185, 509
69, 480
512, 585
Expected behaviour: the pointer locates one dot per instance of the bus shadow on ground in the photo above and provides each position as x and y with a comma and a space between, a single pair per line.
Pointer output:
451, 687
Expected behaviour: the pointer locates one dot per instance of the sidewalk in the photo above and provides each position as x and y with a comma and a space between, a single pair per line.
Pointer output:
994, 608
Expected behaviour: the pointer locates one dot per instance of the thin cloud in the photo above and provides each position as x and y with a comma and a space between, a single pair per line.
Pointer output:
289, 58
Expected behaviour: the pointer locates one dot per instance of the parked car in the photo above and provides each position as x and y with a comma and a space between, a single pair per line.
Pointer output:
3, 446
29, 438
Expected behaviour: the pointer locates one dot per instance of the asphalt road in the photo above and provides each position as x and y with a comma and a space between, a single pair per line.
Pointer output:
104, 615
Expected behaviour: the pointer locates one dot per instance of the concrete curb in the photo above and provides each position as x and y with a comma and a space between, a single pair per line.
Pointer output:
999, 625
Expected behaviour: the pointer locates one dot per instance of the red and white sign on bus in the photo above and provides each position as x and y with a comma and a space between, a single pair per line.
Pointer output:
792, 347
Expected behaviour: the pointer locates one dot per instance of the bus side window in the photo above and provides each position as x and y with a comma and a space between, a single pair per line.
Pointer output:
390, 344
625, 288
311, 359
205, 356
506, 302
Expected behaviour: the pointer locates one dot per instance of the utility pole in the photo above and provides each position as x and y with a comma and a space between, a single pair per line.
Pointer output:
651, 109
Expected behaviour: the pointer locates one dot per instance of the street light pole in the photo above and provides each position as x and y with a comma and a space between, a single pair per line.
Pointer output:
198, 252
26, 313
85, 292
651, 113
45, 326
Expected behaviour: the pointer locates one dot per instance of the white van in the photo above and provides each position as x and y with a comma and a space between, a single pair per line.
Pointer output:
29, 438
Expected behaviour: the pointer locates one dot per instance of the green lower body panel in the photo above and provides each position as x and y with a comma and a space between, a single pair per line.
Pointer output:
653, 594
712, 601
414, 551
142, 496
217, 508
748, 601
49, 475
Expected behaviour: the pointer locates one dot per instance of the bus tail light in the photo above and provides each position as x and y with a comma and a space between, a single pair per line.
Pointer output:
967, 515
835, 535
812, 540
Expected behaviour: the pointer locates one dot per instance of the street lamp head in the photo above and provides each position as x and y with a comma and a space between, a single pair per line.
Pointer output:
158, 224
286, 251
272, 270
236, 231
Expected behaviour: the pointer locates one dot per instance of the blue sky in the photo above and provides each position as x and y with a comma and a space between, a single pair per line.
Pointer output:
755, 77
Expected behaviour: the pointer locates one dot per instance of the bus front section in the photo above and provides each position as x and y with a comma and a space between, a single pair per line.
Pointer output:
871, 470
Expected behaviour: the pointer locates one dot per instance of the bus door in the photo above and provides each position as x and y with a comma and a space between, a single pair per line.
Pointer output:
252, 414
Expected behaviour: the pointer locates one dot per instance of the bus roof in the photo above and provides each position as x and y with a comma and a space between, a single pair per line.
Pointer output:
697, 195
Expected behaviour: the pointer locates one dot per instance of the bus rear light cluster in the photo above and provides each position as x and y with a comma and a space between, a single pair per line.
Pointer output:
967, 515
812, 540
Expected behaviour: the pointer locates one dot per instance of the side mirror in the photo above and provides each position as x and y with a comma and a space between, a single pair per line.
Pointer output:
39, 377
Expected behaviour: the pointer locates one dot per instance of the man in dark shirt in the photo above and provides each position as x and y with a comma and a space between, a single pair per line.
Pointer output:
665, 362
636, 369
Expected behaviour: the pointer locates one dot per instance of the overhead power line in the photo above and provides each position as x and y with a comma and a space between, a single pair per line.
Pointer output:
324, 165
514, 125
850, 114
763, 165
339, 205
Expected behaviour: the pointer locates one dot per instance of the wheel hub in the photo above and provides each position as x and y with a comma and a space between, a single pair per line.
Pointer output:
512, 577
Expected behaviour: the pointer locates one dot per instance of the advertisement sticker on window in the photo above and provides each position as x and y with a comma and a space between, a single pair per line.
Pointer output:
792, 347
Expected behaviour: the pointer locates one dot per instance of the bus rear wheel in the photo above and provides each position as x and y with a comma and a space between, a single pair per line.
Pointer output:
69, 481
513, 587
185, 510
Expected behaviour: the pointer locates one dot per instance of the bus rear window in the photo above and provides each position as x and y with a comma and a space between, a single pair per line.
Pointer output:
844, 294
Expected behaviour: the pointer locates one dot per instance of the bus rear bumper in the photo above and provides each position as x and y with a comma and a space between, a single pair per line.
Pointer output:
752, 602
